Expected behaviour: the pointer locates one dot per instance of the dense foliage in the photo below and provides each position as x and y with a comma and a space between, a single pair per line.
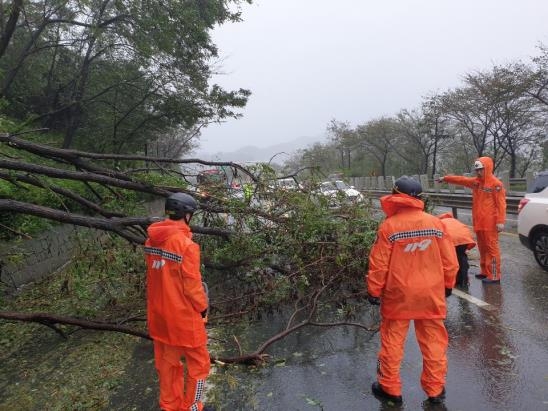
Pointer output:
114, 76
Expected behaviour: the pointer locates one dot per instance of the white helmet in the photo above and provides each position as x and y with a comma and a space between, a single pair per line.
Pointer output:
478, 165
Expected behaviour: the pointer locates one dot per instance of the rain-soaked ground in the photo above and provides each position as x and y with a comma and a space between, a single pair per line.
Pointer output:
498, 356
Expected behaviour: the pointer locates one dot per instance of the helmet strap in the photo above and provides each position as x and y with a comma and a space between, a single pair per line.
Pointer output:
187, 217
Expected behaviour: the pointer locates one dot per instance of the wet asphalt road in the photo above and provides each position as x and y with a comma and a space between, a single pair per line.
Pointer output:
498, 353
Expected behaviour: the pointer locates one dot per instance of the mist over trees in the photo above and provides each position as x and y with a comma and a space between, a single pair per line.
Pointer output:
500, 112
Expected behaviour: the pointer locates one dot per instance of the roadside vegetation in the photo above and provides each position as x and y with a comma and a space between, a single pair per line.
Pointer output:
101, 105
300, 259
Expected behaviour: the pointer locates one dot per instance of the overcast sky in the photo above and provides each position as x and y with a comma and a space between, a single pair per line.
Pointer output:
309, 61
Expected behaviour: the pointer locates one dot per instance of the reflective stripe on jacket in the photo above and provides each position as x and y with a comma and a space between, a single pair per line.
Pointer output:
488, 197
412, 261
175, 295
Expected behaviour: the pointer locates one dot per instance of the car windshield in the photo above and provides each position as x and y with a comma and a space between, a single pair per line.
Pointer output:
540, 182
327, 186
341, 185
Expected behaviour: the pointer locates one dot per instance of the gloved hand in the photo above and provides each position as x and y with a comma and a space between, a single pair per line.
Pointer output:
204, 313
374, 300
439, 180
448, 292
500, 227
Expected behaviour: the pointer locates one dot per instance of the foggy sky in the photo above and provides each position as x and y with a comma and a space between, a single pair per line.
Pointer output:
309, 61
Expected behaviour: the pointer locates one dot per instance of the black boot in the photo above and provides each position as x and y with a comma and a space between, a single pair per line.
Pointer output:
438, 399
382, 395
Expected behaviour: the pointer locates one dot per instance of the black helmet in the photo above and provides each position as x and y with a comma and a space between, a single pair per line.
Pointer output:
179, 204
407, 185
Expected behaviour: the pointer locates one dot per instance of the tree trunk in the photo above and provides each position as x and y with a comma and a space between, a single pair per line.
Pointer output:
7, 34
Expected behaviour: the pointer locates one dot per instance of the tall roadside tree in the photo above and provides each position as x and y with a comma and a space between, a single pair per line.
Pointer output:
536, 79
343, 139
436, 127
418, 138
8, 25
121, 69
516, 125
537, 76
376, 138
472, 117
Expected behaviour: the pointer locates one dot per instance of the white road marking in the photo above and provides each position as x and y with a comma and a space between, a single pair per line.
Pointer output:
473, 300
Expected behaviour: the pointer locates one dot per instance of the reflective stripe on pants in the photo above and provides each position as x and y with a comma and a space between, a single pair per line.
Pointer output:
176, 393
488, 247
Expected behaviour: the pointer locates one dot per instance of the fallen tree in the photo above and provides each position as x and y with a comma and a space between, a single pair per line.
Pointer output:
279, 247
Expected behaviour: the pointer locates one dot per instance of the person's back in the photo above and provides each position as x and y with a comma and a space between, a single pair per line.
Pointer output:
412, 268
415, 281
172, 297
463, 240
176, 307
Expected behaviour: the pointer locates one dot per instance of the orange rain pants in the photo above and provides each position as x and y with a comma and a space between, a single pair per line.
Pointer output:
178, 393
488, 246
433, 340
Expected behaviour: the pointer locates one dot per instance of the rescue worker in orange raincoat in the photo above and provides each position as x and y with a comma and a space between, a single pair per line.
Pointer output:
462, 239
412, 269
488, 215
177, 307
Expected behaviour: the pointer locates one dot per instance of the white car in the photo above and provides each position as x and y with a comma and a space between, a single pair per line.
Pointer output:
338, 189
288, 184
533, 225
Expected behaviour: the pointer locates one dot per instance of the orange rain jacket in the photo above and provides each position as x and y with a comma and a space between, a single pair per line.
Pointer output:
488, 197
412, 261
175, 294
460, 234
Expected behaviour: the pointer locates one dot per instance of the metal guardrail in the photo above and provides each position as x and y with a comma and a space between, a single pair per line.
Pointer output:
454, 200
513, 186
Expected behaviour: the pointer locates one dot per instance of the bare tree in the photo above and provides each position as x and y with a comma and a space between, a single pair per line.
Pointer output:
376, 137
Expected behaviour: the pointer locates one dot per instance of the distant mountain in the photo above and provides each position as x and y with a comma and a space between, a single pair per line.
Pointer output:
262, 154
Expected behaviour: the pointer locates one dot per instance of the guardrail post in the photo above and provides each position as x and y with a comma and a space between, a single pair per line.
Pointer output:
354, 182
466, 189
529, 177
437, 184
380, 183
423, 178
389, 182
504, 177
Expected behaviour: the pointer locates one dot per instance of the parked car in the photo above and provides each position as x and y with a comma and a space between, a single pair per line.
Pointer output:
540, 182
338, 190
533, 225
